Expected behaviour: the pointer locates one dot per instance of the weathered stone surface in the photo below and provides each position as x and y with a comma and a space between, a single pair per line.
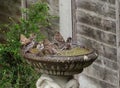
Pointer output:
90, 82
90, 19
108, 38
97, 7
98, 47
106, 51
96, 34
54, 7
102, 73
107, 63
87, 31
84, 41
99, 60
110, 53
109, 1
29, 2
111, 64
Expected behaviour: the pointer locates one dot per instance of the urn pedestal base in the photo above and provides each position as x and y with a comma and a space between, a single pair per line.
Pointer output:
50, 81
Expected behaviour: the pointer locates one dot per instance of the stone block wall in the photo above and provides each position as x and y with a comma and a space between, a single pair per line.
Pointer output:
96, 26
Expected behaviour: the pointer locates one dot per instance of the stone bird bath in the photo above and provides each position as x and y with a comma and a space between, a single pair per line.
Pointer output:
57, 71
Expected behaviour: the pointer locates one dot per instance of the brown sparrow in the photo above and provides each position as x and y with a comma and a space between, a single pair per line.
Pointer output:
49, 48
58, 37
32, 37
24, 40
68, 44
58, 40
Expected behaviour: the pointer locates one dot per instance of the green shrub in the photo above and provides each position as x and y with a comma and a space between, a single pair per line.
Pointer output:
14, 71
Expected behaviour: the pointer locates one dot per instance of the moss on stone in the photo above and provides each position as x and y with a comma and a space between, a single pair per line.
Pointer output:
74, 52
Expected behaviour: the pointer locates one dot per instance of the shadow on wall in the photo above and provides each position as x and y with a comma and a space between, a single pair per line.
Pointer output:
8, 8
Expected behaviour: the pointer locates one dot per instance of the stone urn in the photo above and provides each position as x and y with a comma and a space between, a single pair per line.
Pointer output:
58, 71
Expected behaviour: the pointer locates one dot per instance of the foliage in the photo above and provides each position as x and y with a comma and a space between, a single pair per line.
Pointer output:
37, 17
14, 71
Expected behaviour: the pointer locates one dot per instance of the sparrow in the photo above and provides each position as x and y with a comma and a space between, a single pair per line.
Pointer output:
29, 46
24, 40
40, 46
32, 37
49, 48
68, 44
69, 40
58, 40
46, 42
